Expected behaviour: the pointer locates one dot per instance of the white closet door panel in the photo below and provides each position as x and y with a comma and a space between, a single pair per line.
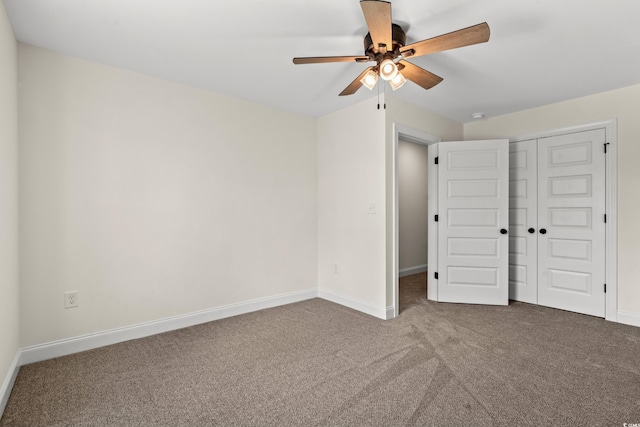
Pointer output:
523, 213
571, 208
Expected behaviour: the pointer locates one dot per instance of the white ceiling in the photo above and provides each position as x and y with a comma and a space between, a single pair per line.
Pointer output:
540, 51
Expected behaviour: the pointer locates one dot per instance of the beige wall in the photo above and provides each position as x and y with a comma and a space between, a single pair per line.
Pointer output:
9, 291
410, 115
413, 167
154, 199
351, 177
623, 104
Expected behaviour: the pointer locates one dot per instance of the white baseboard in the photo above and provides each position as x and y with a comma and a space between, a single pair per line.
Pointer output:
632, 319
391, 313
68, 346
9, 381
412, 270
356, 304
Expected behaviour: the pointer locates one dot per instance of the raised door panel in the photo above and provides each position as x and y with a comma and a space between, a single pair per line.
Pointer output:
571, 208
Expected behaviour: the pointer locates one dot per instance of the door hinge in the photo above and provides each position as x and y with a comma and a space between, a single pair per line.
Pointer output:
436, 218
436, 160
435, 275
605, 218
605, 288
605, 147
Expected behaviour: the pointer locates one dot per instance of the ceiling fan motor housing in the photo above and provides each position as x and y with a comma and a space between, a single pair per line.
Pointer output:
399, 40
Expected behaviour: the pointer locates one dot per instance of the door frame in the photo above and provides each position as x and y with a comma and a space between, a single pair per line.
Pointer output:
611, 201
417, 137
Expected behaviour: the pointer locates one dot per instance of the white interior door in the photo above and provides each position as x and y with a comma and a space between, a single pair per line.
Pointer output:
571, 209
473, 206
523, 221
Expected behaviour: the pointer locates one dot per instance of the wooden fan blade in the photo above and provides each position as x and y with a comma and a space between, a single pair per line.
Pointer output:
465, 37
378, 17
323, 59
355, 85
418, 75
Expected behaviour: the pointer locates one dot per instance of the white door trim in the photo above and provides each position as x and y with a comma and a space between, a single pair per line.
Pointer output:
611, 134
418, 137
432, 209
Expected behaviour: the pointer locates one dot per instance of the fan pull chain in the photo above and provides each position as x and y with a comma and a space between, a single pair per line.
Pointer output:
383, 93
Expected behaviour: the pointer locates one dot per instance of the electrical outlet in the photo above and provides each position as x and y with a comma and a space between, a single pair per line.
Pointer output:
71, 299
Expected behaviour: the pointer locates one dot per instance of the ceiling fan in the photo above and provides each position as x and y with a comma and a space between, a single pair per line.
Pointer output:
385, 45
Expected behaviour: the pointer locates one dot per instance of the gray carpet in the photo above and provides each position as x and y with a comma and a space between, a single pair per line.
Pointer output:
316, 363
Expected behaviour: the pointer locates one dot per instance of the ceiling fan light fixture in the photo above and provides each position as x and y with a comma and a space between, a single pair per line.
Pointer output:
398, 81
388, 69
370, 79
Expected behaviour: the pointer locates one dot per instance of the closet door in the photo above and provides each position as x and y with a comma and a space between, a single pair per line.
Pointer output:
571, 233
523, 221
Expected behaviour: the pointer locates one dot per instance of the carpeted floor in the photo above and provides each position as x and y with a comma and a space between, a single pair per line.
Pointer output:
315, 363
413, 290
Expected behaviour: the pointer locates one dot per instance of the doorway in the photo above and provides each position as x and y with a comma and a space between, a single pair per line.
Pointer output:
423, 139
413, 166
